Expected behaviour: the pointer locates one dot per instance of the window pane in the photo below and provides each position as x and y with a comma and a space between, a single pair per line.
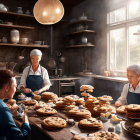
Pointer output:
117, 49
134, 45
134, 9
118, 15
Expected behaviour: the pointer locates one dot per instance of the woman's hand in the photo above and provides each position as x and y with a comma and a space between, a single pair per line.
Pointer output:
27, 90
25, 119
118, 103
37, 92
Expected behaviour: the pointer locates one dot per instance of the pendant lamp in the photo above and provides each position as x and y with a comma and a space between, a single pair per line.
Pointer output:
48, 11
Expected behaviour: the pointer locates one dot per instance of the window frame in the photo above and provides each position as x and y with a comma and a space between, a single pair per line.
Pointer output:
121, 24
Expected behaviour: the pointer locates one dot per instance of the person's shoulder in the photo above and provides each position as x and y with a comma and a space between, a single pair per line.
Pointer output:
43, 68
126, 85
26, 69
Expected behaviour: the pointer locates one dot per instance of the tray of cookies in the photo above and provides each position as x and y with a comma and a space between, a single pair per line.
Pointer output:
132, 127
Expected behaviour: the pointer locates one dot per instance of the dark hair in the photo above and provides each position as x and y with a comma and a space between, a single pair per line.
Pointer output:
6, 77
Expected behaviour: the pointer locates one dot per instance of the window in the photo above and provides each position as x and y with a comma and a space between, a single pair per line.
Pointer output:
123, 44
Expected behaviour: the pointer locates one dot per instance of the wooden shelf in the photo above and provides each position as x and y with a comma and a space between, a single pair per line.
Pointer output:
81, 46
82, 31
23, 45
80, 21
16, 26
16, 14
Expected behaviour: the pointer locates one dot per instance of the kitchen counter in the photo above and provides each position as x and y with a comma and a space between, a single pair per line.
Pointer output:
64, 78
56, 77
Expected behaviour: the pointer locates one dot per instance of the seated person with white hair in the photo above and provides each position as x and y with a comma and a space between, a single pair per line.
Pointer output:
35, 78
131, 90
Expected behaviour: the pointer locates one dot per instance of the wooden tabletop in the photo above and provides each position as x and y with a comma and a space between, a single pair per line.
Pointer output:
65, 133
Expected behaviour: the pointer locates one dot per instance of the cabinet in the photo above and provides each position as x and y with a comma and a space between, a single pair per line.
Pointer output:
21, 22
81, 34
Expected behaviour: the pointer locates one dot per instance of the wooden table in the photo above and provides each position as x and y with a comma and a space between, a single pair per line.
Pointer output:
65, 134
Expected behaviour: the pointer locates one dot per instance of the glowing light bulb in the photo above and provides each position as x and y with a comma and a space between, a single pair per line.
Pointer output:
48, 11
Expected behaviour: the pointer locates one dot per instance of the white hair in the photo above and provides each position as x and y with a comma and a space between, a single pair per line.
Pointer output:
134, 68
35, 52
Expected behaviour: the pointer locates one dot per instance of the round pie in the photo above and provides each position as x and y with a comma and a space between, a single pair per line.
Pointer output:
54, 123
103, 135
121, 109
46, 111
91, 123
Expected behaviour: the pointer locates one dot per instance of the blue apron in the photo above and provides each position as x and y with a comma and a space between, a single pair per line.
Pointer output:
133, 98
34, 82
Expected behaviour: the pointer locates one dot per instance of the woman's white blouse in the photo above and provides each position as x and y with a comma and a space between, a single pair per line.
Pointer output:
123, 97
40, 71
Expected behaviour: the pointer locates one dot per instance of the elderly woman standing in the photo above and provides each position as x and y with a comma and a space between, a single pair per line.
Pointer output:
8, 128
35, 77
131, 91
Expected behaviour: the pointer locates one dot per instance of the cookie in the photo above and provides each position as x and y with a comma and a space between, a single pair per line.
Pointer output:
54, 123
103, 135
137, 125
105, 98
49, 95
86, 87
37, 97
133, 107
83, 137
79, 114
46, 111
40, 104
91, 123
121, 109
11, 101
30, 102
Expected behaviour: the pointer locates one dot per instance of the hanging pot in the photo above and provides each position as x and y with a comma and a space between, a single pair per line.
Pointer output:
52, 63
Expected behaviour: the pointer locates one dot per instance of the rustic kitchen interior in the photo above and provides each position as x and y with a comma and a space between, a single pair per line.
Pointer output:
92, 44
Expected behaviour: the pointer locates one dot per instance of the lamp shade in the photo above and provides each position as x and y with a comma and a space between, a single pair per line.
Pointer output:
48, 11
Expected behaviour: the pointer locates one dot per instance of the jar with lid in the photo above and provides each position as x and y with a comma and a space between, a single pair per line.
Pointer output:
19, 10
14, 34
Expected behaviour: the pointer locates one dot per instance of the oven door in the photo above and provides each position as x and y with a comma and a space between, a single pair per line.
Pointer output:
67, 89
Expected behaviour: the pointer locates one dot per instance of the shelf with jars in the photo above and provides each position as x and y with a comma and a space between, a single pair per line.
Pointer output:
17, 30
80, 33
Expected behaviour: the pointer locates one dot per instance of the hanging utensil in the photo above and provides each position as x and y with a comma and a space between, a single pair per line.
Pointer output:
51, 61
